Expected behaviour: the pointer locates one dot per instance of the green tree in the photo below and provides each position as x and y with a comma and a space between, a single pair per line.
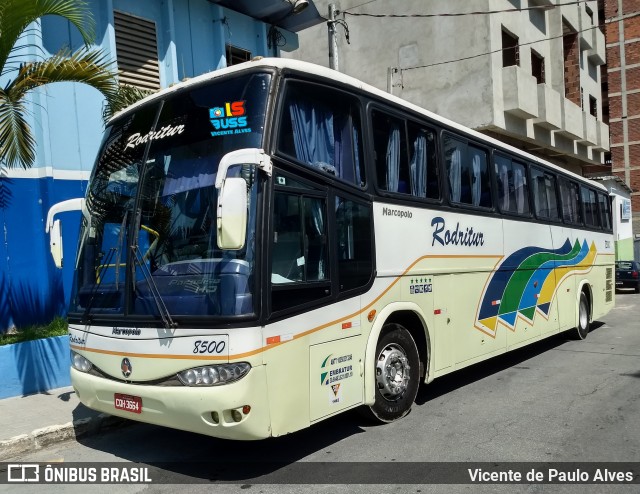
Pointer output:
124, 97
17, 144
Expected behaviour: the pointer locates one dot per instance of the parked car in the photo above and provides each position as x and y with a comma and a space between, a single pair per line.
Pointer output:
627, 275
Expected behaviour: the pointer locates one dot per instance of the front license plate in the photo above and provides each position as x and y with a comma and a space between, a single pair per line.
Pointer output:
128, 403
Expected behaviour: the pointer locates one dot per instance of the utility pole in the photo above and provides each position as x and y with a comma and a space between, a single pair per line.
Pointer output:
333, 38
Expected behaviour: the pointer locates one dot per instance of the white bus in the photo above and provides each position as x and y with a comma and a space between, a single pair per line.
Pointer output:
274, 243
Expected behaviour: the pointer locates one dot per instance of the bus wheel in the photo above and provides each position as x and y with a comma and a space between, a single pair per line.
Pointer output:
397, 374
582, 330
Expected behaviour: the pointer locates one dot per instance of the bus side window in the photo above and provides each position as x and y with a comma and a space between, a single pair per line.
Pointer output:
423, 167
590, 207
299, 253
353, 239
605, 211
321, 128
571, 211
454, 151
390, 142
513, 192
478, 177
544, 194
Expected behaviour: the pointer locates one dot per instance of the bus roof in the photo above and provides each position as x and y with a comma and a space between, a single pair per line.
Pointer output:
333, 75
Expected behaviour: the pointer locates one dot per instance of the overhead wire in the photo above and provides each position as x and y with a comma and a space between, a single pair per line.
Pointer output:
484, 12
459, 14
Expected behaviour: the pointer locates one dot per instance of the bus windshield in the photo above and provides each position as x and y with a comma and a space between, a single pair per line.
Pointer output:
150, 235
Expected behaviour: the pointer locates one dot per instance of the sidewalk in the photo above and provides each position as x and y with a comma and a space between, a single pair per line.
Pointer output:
35, 421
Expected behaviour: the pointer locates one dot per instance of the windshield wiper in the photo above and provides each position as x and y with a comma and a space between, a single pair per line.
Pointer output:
104, 264
120, 240
165, 315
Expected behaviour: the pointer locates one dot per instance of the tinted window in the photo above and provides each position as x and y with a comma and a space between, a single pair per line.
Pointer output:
571, 210
353, 222
320, 128
153, 189
412, 170
390, 145
605, 211
467, 172
299, 250
544, 194
591, 217
513, 191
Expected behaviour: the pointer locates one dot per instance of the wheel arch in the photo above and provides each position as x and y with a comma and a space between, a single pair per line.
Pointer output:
411, 317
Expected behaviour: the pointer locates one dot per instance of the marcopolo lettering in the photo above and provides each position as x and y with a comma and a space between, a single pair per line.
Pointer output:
444, 236
400, 213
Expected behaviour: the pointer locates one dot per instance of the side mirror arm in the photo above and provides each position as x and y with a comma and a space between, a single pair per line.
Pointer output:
252, 156
64, 206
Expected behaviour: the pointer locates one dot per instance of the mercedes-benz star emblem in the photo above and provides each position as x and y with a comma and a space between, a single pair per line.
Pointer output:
126, 367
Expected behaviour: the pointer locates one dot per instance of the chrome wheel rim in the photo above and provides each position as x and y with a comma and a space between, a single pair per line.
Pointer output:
392, 372
584, 317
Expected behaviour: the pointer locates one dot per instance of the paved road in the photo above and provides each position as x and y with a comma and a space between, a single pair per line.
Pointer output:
556, 401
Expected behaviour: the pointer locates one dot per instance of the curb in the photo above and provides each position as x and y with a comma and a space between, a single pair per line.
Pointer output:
40, 438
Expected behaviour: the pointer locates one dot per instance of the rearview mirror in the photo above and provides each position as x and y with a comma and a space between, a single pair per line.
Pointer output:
54, 228
55, 243
232, 214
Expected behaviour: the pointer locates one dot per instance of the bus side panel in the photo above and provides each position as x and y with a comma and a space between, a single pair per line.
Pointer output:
443, 355
335, 378
603, 284
287, 367
528, 309
567, 275
290, 371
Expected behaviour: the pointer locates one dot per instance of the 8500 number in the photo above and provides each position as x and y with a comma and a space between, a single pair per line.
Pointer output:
209, 346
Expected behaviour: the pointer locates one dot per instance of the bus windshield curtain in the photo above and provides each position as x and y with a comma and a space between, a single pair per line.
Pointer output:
419, 166
476, 183
393, 159
454, 175
356, 157
318, 224
344, 147
313, 135
504, 178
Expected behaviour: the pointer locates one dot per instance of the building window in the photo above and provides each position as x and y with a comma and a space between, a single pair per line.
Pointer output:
236, 55
510, 49
537, 67
593, 106
571, 64
136, 51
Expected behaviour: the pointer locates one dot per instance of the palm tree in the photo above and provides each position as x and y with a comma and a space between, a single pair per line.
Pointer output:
17, 144
125, 95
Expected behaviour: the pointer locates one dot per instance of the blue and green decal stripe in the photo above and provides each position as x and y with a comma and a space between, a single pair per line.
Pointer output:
526, 281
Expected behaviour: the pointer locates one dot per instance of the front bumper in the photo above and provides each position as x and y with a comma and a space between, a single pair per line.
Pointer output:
187, 408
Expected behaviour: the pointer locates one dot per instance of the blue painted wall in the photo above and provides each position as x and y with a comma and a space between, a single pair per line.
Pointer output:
66, 122
34, 366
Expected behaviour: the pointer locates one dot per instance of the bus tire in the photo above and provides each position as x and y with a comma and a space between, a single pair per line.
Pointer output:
397, 374
582, 329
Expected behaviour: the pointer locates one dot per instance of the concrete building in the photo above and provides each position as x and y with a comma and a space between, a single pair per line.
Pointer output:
154, 44
529, 77
623, 68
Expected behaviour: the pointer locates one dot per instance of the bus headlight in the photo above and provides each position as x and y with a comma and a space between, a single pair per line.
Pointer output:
80, 363
214, 375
